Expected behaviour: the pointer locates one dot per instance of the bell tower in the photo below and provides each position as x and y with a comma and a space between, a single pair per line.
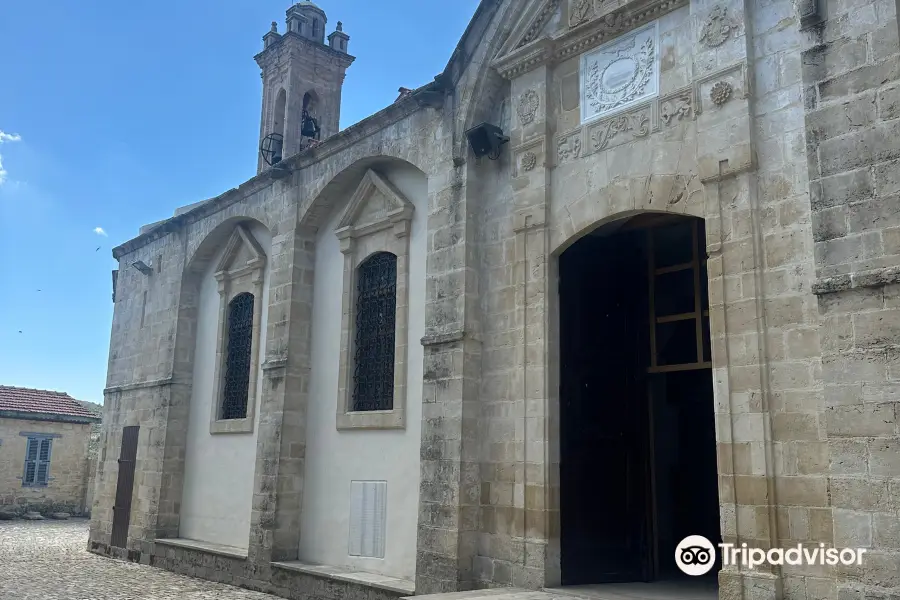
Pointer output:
302, 78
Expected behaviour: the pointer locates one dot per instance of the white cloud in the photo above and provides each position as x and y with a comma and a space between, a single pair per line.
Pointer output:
100, 231
6, 137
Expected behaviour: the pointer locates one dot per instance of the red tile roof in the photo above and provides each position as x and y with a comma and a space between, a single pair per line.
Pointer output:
45, 402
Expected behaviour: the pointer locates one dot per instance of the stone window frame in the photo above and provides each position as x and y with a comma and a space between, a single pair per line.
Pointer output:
362, 234
234, 279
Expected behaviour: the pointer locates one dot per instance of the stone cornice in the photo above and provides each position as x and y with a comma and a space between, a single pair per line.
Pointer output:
293, 36
338, 142
574, 41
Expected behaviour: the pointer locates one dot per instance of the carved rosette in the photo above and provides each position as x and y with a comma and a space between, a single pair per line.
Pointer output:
569, 147
527, 107
528, 160
717, 27
676, 108
721, 93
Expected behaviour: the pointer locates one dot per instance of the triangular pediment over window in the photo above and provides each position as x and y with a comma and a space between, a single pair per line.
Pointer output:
242, 252
375, 204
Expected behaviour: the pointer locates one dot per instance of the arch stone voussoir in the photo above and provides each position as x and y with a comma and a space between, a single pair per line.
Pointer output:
624, 197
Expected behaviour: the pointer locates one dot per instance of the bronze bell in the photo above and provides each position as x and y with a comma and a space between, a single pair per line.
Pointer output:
309, 127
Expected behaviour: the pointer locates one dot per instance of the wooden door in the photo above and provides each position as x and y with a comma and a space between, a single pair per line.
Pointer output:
124, 486
603, 466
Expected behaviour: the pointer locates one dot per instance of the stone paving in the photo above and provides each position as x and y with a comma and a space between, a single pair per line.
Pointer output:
48, 560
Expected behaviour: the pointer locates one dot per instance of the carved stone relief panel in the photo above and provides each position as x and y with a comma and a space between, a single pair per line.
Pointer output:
621, 129
677, 106
528, 156
717, 27
620, 74
715, 90
527, 107
568, 146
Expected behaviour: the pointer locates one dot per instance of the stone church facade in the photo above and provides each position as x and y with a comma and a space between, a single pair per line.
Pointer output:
387, 366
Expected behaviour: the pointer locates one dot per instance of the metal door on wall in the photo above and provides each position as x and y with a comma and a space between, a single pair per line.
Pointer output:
124, 486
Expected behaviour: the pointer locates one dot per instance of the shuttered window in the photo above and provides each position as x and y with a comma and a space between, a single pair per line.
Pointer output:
37, 461
368, 511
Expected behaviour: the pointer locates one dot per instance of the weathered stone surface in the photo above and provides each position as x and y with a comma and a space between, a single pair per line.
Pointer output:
67, 488
798, 190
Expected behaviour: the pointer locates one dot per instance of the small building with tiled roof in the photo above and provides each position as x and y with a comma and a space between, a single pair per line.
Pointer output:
44, 441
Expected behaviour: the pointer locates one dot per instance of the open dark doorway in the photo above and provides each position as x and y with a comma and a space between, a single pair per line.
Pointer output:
637, 432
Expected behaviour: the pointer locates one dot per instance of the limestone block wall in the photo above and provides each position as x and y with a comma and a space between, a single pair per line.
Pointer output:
155, 327
851, 71
68, 473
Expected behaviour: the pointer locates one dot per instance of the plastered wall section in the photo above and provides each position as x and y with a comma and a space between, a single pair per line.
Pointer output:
219, 468
68, 467
335, 458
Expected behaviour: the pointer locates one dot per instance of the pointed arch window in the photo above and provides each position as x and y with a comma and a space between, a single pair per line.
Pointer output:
237, 358
376, 308
240, 275
374, 233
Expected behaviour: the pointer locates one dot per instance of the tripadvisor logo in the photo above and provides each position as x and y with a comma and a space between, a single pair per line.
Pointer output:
695, 555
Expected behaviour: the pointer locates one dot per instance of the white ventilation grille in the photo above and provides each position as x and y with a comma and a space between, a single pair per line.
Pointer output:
368, 510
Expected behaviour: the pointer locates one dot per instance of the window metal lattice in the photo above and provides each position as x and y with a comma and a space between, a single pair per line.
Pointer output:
376, 307
237, 358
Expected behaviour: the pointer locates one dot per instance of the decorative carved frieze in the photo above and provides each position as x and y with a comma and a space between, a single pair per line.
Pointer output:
607, 21
606, 134
527, 107
568, 146
580, 11
534, 29
620, 73
676, 107
717, 27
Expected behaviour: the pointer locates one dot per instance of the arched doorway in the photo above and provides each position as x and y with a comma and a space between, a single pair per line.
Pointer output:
637, 430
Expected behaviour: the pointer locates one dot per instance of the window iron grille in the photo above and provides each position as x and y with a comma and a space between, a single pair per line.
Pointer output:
376, 307
237, 358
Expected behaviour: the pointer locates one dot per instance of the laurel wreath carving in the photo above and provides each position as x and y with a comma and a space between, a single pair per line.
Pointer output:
602, 100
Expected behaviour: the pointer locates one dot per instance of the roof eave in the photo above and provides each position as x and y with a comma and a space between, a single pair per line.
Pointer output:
25, 415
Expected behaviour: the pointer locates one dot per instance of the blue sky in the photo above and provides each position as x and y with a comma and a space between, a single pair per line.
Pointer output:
113, 114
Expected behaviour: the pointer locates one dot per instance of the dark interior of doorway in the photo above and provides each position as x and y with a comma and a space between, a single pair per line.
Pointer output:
637, 433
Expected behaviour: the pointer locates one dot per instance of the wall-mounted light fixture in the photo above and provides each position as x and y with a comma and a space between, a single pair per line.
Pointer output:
486, 140
142, 267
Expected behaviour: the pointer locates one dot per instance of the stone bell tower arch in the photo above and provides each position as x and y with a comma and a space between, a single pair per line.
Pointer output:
301, 71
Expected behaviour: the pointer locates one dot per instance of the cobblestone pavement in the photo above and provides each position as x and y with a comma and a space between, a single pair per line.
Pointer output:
48, 560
